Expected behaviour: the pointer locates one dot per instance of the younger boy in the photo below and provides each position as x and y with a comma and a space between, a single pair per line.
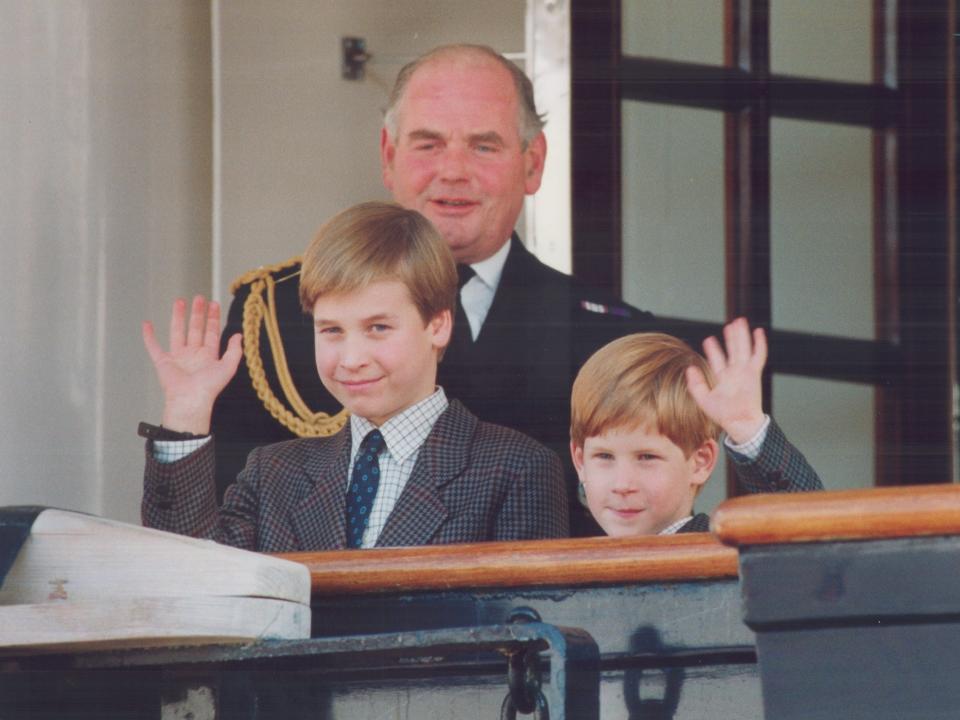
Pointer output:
645, 420
410, 468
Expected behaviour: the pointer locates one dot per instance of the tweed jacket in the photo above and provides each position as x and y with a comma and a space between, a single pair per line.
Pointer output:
472, 482
541, 327
779, 467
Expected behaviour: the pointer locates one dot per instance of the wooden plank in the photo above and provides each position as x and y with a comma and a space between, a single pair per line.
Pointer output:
149, 622
75, 557
585, 561
872, 513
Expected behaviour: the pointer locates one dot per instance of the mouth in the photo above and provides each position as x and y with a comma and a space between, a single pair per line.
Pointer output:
358, 385
453, 205
626, 512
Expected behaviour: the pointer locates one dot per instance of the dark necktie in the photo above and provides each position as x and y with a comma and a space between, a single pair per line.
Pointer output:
462, 336
363, 487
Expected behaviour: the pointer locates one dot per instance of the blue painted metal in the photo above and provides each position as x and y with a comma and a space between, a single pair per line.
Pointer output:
653, 650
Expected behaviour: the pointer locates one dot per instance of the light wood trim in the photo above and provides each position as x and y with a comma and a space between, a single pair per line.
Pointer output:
587, 561
873, 513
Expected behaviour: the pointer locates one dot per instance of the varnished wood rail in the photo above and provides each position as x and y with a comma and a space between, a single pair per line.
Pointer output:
872, 513
587, 561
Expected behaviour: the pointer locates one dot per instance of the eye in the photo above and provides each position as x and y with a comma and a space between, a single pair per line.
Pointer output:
602, 455
487, 148
379, 327
646, 457
329, 331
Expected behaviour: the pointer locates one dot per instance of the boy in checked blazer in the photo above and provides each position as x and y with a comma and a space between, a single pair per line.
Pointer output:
410, 468
646, 415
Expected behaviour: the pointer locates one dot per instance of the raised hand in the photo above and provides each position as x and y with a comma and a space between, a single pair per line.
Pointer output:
192, 373
735, 401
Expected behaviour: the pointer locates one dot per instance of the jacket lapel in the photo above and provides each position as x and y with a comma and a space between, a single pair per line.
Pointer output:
320, 521
420, 509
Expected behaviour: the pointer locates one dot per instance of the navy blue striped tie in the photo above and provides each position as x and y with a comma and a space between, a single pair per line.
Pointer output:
363, 487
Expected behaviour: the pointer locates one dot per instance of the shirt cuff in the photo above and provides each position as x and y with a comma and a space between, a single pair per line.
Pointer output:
169, 451
751, 448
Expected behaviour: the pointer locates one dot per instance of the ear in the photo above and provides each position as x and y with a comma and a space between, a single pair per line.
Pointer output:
387, 153
703, 460
440, 328
534, 157
576, 454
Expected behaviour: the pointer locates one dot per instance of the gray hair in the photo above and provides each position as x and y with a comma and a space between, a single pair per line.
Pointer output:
530, 122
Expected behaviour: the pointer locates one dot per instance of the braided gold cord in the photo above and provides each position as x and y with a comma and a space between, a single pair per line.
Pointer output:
256, 312
262, 272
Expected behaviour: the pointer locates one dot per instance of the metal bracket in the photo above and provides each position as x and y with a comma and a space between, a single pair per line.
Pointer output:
354, 58
572, 691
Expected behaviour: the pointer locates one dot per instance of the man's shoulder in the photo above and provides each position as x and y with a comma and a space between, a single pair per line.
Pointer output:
283, 277
560, 290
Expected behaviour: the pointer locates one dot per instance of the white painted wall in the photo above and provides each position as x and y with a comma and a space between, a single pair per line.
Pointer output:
107, 135
104, 217
298, 142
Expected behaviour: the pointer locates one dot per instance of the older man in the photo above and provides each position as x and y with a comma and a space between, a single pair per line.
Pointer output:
462, 143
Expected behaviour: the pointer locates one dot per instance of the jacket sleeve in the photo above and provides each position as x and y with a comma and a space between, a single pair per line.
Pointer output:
180, 497
779, 467
536, 503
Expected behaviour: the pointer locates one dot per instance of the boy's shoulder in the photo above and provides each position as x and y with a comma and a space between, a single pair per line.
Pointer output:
302, 452
698, 523
457, 424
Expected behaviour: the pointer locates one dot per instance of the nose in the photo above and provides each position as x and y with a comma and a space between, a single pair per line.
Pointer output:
353, 355
623, 482
454, 165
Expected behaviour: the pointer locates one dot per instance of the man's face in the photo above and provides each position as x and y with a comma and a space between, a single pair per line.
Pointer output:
457, 157
637, 481
374, 352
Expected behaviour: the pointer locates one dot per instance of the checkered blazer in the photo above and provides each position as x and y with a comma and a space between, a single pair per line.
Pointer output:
779, 467
472, 481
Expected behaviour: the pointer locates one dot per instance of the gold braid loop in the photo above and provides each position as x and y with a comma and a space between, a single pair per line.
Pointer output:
257, 312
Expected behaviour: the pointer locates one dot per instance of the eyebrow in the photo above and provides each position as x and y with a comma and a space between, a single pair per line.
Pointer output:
320, 322
489, 137
423, 134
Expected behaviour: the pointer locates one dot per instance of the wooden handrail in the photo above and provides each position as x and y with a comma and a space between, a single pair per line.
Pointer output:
872, 513
587, 561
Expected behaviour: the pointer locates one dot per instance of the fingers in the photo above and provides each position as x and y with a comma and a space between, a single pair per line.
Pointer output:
736, 336
742, 346
150, 342
177, 315
211, 337
195, 329
715, 355
233, 353
697, 384
203, 327
759, 347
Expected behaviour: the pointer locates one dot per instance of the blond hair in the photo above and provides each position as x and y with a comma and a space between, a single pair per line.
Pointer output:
641, 379
377, 241
530, 122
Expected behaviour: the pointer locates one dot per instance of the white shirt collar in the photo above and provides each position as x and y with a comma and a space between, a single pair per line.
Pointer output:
406, 431
490, 270
672, 529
